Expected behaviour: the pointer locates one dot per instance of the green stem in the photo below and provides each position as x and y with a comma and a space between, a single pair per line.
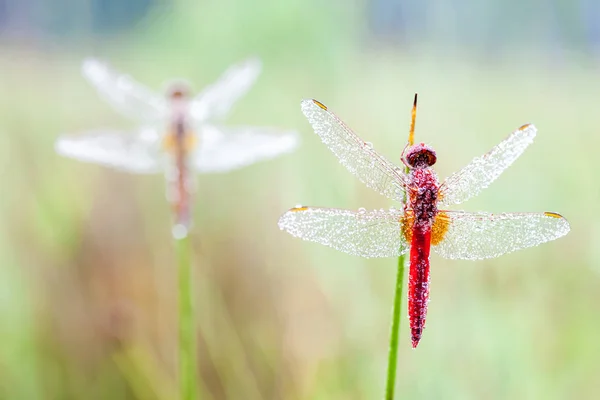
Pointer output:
187, 331
393, 352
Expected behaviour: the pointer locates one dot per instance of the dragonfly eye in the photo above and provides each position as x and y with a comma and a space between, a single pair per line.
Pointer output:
420, 156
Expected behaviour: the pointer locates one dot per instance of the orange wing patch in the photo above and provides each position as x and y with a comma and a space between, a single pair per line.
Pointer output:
408, 221
553, 215
170, 142
190, 141
440, 226
296, 209
441, 223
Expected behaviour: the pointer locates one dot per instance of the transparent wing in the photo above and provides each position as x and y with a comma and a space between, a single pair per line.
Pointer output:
128, 97
357, 156
216, 100
475, 236
359, 233
137, 153
484, 170
226, 148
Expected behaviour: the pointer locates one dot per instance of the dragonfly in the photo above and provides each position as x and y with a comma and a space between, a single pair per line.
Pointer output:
422, 223
178, 134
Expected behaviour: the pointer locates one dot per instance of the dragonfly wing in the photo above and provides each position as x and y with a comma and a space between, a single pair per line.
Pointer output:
216, 100
137, 153
476, 236
359, 233
357, 156
483, 170
226, 148
127, 96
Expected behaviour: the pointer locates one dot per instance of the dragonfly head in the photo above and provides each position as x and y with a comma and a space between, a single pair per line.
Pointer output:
420, 156
178, 90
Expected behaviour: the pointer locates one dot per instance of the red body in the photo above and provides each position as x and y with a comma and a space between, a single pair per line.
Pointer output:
182, 206
179, 143
418, 284
422, 206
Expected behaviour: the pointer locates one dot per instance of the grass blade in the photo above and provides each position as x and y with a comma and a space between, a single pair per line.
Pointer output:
187, 332
393, 351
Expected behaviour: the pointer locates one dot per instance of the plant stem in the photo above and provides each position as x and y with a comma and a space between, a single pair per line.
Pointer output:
187, 331
393, 352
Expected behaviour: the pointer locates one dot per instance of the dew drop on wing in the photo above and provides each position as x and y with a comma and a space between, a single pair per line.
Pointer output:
298, 206
362, 210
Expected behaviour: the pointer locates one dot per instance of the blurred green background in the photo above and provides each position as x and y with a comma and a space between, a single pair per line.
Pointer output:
88, 303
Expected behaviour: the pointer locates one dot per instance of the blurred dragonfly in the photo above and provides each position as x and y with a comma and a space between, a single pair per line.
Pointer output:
420, 224
178, 134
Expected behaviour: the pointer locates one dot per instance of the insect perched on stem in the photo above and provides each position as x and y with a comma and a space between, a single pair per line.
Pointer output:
421, 224
178, 134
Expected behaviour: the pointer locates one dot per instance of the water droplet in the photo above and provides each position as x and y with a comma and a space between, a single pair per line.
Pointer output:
179, 231
362, 210
298, 206
369, 145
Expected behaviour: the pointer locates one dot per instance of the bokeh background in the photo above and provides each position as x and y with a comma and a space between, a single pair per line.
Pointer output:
88, 301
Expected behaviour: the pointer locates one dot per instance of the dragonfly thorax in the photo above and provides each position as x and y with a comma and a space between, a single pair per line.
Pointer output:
420, 156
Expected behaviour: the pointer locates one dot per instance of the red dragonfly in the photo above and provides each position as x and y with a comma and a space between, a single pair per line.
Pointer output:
422, 223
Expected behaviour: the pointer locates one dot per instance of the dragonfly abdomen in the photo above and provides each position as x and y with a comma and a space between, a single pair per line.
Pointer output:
180, 179
418, 284
423, 205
